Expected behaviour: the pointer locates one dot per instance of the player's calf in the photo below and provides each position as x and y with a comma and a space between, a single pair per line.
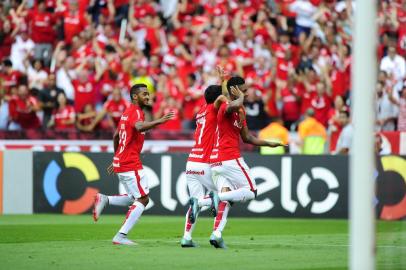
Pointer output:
194, 206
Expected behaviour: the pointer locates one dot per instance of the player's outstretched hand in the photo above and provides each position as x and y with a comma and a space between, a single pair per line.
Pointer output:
235, 91
221, 72
167, 117
276, 144
110, 169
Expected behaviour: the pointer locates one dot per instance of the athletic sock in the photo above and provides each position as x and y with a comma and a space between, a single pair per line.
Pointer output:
120, 200
133, 215
238, 195
189, 227
205, 201
221, 219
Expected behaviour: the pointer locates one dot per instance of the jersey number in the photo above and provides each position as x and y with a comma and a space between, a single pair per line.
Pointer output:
202, 123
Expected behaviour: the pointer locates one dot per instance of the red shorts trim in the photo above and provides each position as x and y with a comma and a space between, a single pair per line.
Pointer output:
142, 192
246, 175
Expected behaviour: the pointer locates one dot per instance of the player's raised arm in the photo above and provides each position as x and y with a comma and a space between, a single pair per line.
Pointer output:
222, 74
144, 126
247, 137
220, 100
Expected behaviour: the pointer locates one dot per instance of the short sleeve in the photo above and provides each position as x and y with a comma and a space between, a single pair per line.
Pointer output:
137, 117
222, 108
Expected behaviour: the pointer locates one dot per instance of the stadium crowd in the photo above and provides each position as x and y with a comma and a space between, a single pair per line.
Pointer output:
68, 64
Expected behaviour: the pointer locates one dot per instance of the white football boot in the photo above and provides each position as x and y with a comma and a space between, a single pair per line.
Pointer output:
100, 202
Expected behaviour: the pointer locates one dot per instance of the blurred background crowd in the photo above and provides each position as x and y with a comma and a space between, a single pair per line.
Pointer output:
69, 64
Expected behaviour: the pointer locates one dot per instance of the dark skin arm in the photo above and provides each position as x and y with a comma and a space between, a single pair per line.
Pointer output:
249, 138
141, 127
344, 151
144, 126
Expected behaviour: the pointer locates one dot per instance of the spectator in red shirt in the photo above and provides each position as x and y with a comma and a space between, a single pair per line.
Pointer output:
85, 90
23, 110
74, 22
192, 101
10, 78
85, 119
7, 35
63, 117
290, 103
43, 34
321, 103
113, 109
170, 105
334, 124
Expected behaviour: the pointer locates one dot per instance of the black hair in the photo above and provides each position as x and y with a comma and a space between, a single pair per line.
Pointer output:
7, 63
110, 49
23, 80
348, 49
234, 81
136, 88
199, 10
212, 93
346, 112
192, 76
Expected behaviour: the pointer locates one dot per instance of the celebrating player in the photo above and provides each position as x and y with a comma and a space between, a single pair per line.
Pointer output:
229, 169
198, 173
128, 142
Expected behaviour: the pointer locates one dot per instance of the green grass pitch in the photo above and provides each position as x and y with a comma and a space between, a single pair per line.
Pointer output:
75, 242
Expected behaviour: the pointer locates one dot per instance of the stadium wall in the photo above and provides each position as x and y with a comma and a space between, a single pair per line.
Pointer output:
288, 186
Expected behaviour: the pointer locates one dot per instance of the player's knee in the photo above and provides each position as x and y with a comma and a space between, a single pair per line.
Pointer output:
144, 200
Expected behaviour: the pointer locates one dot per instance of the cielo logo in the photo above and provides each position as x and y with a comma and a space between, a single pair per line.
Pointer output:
89, 170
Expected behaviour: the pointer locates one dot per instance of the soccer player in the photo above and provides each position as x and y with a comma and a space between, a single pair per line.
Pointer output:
229, 170
198, 173
128, 141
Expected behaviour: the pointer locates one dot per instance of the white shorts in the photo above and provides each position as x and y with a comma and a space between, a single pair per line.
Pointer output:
135, 183
233, 174
198, 177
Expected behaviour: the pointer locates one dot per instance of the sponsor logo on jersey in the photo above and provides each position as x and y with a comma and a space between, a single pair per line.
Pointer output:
195, 172
195, 156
